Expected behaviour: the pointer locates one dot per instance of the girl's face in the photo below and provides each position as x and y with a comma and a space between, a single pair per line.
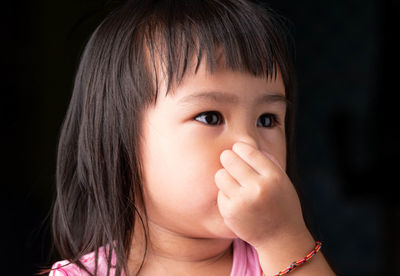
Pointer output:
185, 133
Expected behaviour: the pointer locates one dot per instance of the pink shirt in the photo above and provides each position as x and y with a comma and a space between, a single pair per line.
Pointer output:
245, 263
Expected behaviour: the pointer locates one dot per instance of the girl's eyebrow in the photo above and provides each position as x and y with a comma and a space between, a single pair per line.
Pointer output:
222, 97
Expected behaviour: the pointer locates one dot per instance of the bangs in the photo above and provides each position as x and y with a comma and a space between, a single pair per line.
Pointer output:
234, 34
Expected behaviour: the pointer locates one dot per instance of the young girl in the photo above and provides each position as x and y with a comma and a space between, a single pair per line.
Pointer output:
176, 153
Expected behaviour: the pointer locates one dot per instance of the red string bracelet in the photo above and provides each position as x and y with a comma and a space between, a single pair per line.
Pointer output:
299, 262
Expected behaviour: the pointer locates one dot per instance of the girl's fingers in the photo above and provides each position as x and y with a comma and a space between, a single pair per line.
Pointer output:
260, 162
238, 168
223, 203
226, 183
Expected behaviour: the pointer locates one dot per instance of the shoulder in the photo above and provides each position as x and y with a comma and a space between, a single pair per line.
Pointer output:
66, 268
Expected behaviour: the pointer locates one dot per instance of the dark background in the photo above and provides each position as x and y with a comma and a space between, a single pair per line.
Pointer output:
347, 63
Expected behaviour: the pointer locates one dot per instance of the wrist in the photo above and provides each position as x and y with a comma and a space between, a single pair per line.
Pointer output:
277, 253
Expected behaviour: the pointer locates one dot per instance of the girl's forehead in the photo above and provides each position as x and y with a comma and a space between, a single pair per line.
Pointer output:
224, 83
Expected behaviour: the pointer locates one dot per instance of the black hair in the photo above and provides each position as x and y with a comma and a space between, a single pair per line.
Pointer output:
99, 169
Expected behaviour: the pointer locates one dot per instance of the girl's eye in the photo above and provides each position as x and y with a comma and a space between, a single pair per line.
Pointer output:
267, 120
210, 117
215, 118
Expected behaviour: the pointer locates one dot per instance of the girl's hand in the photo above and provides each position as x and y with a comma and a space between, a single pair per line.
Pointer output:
256, 197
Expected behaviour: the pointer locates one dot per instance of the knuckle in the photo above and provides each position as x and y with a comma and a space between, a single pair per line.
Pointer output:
262, 187
276, 177
258, 188
273, 176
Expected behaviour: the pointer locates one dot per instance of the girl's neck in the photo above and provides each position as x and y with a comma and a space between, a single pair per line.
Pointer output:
170, 253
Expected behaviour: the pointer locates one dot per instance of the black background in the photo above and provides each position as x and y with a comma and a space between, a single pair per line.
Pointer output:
347, 63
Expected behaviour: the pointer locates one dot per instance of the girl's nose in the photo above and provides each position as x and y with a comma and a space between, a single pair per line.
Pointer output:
248, 140
245, 135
